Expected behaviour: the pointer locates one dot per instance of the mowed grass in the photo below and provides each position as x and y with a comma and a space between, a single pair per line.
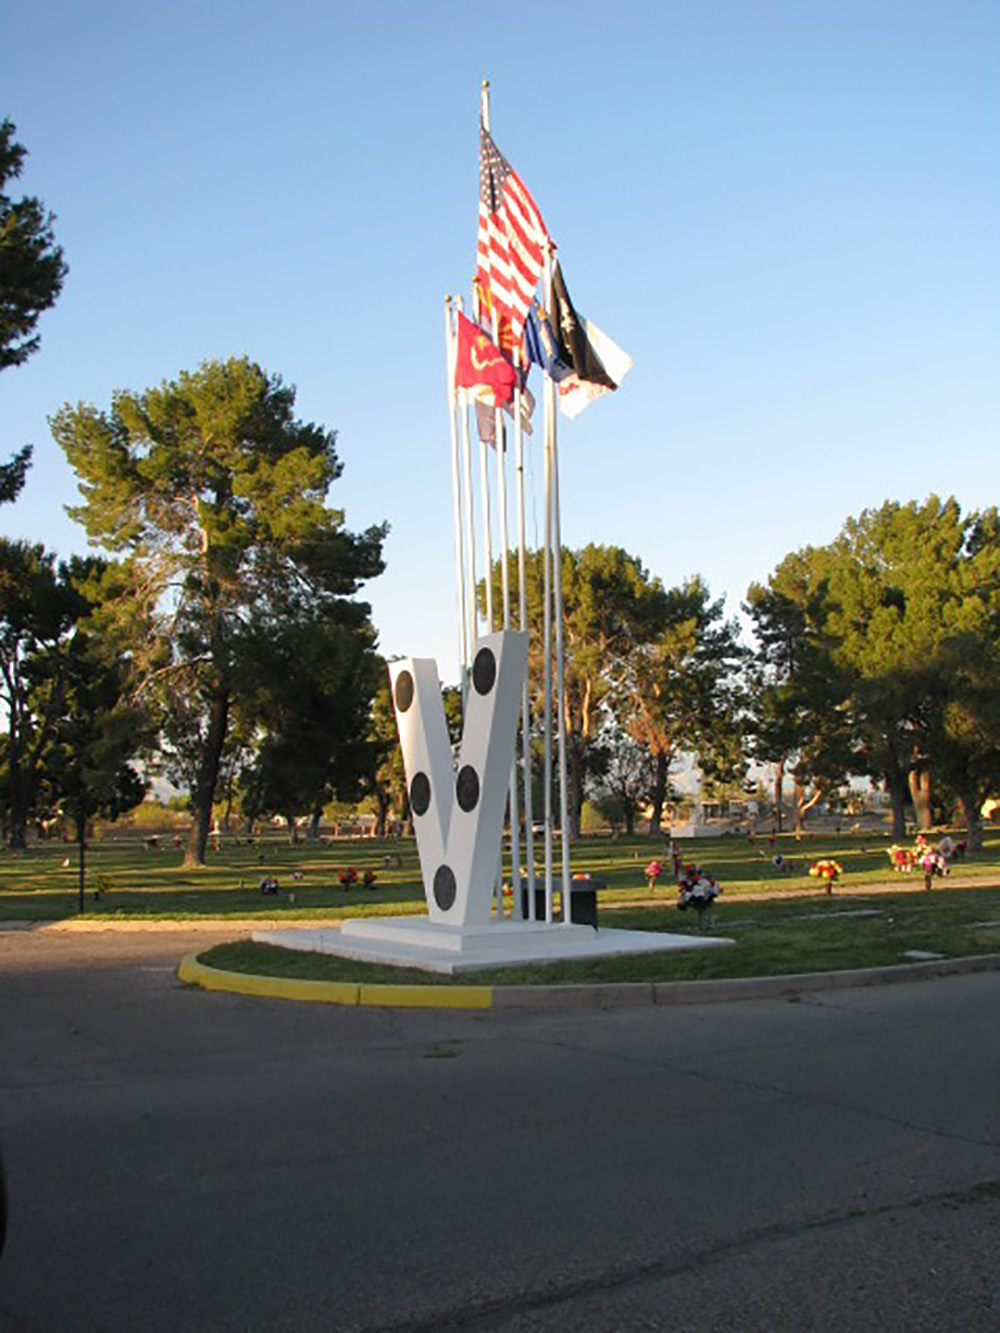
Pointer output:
772, 938
125, 879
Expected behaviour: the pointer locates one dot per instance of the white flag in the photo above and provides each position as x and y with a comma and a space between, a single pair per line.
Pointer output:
576, 394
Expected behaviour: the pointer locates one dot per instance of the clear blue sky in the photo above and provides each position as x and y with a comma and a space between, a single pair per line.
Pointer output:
787, 211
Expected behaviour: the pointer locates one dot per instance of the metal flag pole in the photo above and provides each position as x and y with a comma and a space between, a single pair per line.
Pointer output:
484, 486
529, 840
501, 469
457, 506
555, 554
470, 519
560, 679
515, 830
549, 390
484, 476
501, 451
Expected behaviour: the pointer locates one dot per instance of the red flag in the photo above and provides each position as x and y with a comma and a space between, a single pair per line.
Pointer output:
512, 241
481, 366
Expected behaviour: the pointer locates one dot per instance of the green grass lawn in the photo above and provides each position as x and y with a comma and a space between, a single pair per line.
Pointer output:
773, 938
135, 882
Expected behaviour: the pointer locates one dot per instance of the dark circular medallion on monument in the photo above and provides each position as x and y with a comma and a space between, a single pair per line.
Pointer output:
484, 671
404, 691
467, 788
420, 793
445, 888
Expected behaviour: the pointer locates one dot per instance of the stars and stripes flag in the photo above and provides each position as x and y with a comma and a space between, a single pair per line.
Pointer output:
512, 240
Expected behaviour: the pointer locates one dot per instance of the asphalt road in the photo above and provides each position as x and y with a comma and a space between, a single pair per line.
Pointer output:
182, 1160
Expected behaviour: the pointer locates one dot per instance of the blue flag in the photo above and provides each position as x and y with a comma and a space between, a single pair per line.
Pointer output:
540, 345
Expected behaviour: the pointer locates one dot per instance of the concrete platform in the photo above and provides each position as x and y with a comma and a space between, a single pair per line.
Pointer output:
418, 942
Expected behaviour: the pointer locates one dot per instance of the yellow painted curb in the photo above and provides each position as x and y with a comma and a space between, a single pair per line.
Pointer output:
196, 973
279, 988
427, 997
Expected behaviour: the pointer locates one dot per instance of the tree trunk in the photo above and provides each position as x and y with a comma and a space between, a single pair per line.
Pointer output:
574, 788
897, 794
779, 786
16, 784
971, 806
798, 801
208, 776
919, 779
18, 840
80, 819
804, 804
290, 825
382, 818
659, 790
315, 822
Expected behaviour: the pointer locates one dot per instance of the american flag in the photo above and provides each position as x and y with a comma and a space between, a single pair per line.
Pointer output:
512, 240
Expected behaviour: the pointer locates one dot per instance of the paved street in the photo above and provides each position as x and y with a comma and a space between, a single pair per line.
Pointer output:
182, 1160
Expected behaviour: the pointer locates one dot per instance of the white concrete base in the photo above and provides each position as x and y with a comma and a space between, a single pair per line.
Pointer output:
695, 831
418, 942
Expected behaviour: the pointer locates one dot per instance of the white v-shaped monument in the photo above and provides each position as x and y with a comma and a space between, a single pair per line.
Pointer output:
458, 815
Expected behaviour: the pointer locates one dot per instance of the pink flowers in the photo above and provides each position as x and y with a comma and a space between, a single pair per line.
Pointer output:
653, 872
932, 863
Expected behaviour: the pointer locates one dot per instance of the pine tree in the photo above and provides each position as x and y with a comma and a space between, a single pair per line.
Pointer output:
213, 498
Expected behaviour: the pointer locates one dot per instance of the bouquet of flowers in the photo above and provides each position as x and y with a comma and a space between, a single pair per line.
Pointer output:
697, 889
828, 871
902, 858
653, 872
348, 877
932, 863
369, 879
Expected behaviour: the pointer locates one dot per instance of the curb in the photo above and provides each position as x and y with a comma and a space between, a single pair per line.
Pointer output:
613, 995
196, 973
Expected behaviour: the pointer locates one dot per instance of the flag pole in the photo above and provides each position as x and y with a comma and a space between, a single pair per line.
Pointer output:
460, 590
501, 467
549, 390
552, 519
470, 518
515, 828
529, 840
560, 678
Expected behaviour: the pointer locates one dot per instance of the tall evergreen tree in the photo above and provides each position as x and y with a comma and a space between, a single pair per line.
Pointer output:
40, 604
903, 615
32, 271
213, 498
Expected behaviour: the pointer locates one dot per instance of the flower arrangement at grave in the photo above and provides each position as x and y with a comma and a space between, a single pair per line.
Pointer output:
828, 871
902, 858
697, 889
369, 878
653, 872
932, 863
348, 878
